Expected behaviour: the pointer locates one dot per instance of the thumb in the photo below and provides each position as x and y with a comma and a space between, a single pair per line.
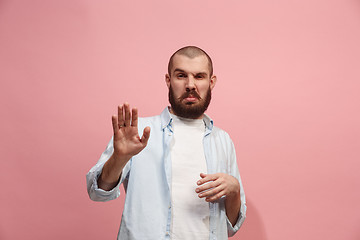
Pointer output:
146, 135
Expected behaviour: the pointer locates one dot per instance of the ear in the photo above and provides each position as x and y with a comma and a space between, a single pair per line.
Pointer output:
213, 80
167, 80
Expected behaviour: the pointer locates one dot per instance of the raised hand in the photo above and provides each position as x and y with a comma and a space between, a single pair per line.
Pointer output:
217, 185
127, 141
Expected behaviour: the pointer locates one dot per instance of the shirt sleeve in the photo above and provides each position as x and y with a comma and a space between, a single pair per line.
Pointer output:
96, 193
234, 171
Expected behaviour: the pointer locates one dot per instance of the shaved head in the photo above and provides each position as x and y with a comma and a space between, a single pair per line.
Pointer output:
191, 52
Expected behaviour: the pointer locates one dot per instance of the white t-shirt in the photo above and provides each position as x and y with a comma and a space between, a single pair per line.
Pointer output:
190, 214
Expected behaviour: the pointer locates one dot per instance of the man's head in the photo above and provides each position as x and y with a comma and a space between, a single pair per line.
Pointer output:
190, 80
190, 52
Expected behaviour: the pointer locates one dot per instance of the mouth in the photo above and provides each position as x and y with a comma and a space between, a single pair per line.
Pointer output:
190, 98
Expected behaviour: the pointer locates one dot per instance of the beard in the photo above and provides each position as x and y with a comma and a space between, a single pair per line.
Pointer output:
189, 110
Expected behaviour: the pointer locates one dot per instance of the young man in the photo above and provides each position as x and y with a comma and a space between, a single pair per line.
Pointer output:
181, 177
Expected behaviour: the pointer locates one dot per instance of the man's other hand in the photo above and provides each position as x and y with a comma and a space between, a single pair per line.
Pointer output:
213, 186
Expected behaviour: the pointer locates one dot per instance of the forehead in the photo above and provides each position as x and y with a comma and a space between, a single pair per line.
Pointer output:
191, 65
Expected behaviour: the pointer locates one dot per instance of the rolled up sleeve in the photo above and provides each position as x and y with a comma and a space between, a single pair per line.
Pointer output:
242, 215
96, 193
234, 171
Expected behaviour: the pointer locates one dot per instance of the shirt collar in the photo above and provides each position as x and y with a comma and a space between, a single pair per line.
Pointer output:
166, 120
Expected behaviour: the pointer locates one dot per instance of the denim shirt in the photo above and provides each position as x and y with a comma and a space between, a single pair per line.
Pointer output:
147, 180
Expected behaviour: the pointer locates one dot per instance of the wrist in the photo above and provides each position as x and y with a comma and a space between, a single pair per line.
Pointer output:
111, 171
119, 159
234, 194
236, 188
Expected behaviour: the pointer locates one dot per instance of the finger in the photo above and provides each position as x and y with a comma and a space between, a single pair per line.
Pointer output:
134, 117
127, 114
207, 186
115, 123
211, 192
207, 178
146, 135
215, 197
120, 116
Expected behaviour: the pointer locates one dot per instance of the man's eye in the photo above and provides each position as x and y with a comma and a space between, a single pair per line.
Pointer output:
199, 77
181, 75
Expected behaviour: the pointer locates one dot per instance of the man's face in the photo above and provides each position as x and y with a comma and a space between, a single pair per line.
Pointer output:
190, 86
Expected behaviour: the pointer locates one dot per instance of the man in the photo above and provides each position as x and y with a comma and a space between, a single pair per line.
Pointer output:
181, 180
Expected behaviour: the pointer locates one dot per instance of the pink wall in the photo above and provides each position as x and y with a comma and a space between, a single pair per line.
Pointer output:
288, 94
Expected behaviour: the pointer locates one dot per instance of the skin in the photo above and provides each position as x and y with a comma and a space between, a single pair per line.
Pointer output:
127, 143
186, 74
223, 185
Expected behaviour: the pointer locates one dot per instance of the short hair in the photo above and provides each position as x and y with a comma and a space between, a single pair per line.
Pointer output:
191, 52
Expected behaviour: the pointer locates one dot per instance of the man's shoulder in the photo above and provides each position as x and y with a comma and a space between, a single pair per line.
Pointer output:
219, 131
150, 120
222, 140
153, 122
157, 120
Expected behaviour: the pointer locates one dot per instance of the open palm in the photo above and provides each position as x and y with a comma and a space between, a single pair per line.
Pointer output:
127, 141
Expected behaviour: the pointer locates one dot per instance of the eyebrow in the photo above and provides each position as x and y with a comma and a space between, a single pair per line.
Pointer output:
180, 70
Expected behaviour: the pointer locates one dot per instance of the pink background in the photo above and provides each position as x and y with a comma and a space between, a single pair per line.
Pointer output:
287, 92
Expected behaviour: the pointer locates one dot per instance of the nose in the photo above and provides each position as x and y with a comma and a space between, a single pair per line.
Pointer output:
190, 83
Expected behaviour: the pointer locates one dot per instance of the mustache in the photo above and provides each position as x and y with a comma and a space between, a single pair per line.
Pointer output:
192, 93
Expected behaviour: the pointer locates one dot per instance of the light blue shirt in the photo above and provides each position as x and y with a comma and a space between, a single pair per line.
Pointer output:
147, 180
